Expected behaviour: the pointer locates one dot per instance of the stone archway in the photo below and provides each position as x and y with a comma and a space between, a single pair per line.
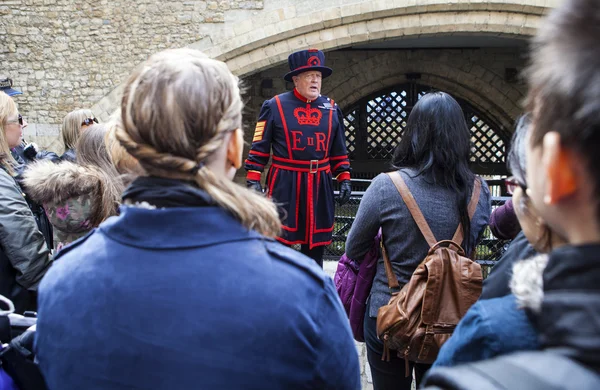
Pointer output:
251, 44
456, 73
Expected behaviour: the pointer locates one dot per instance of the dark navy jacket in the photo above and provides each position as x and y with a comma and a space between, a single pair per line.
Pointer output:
308, 142
186, 298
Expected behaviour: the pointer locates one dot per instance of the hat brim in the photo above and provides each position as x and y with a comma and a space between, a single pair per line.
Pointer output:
325, 71
12, 92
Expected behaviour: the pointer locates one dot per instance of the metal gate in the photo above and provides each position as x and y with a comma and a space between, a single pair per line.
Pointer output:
376, 123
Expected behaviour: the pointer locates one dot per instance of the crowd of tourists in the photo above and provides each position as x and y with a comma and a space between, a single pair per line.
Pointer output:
134, 261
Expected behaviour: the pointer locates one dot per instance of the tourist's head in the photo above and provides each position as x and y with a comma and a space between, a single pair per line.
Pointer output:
436, 142
92, 148
73, 124
564, 101
11, 130
92, 152
124, 162
11, 121
181, 119
534, 227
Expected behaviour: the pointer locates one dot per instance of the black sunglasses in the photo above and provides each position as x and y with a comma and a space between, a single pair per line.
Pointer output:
512, 183
89, 121
20, 120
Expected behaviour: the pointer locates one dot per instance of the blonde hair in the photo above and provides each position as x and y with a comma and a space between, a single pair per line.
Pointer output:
8, 107
124, 162
92, 153
71, 127
177, 109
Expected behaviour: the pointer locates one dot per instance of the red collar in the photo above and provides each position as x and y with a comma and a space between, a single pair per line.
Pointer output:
301, 97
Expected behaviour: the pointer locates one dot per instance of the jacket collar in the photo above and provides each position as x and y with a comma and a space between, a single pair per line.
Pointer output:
161, 192
180, 215
302, 98
175, 227
526, 282
570, 311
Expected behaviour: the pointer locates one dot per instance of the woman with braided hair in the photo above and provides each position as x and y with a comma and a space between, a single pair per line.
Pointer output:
187, 287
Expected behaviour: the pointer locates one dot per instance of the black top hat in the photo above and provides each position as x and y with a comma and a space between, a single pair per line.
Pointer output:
307, 60
6, 87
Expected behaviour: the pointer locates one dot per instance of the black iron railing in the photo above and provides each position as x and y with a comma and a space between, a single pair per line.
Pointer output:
487, 252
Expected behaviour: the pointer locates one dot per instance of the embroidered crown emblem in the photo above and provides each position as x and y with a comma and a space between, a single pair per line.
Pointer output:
308, 116
313, 61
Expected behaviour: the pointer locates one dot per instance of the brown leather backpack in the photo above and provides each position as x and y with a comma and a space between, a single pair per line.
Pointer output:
421, 316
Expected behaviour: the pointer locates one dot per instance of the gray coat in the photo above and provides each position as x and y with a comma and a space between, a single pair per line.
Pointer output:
24, 256
382, 206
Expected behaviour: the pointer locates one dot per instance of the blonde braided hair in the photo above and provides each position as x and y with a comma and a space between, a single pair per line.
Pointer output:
176, 112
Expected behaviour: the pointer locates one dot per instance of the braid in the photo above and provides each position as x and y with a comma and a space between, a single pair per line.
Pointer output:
154, 162
206, 150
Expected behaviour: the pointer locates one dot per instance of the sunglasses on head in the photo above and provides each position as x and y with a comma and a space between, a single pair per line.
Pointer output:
89, 121
512, 183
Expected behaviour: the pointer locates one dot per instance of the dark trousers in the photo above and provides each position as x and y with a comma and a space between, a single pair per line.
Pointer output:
315, 253
389, 375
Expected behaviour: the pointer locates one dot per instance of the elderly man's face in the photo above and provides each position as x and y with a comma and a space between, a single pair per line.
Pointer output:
308, 84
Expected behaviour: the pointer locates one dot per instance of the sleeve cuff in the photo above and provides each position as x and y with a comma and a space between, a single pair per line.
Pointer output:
253, 175
343, 176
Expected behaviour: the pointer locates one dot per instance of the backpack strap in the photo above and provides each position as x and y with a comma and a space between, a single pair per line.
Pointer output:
414, 209
458, 235
389, 271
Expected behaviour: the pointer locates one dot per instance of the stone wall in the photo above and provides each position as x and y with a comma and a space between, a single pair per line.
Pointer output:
66, 54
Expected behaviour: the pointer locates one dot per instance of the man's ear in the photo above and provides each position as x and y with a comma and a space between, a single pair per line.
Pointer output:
235, 148
561, 169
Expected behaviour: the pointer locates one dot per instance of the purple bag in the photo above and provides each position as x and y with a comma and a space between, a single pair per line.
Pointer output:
353, 282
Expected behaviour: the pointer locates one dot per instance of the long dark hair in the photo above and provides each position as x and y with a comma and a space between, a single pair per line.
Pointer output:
437, 143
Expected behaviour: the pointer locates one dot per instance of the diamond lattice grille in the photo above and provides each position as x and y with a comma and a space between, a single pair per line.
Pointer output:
487, 146
386, 120
375, 126
351, 124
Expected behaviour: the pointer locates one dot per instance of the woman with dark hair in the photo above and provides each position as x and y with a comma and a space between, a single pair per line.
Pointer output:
433, 159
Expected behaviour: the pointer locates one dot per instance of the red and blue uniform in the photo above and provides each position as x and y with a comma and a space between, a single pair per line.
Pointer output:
308, 145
